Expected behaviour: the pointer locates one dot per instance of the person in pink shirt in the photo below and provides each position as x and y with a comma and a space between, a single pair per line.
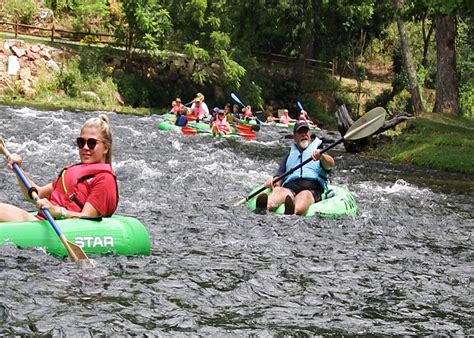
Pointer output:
305, 117
176, 106
199, 108
285, 118
220, 126
247, 113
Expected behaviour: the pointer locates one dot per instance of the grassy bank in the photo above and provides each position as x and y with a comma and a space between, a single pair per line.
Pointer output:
438, 142
72, 104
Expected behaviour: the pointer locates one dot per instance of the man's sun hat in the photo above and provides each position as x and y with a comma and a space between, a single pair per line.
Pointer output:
300, 124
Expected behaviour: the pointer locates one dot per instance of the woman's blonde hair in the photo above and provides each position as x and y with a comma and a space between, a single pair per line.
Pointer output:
102, 124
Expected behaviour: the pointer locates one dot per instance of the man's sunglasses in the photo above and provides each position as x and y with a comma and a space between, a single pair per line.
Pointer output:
91, 142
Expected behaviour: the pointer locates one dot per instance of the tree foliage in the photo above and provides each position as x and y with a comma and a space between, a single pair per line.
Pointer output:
23, 11
218, 45
145, 26
93, 14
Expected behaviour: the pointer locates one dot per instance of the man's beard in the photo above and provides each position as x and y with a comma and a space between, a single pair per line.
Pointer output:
304, 144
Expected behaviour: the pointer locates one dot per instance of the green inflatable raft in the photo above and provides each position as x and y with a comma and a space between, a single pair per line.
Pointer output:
337, 202
169, 125
200, 127
117, 235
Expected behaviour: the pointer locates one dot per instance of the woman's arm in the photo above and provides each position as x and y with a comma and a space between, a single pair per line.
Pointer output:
43, 191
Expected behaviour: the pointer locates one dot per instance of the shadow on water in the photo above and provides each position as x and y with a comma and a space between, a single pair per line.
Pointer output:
403, 266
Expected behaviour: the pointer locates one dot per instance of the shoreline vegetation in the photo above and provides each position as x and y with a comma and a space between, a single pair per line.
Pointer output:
437, 142
442, 142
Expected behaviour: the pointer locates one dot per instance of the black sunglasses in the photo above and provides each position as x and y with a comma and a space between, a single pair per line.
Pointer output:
91, 142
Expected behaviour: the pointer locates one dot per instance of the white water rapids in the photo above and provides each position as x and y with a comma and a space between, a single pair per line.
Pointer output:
403, 266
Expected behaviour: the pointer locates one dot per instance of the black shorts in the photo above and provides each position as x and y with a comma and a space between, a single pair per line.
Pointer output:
301, 184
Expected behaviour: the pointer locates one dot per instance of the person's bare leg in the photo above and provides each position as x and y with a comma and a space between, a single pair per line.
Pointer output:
11, 213
277, 197
302, 201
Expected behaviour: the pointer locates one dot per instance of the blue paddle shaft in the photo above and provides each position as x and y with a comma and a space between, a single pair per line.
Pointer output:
300, 105
236, 99
22, 177
35, 196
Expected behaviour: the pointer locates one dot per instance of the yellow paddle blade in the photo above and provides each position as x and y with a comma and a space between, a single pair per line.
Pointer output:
76, 253
237, 201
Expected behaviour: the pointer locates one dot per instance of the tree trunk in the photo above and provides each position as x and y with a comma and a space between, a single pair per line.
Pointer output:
426, 38
307, 43
446, 76
129, 45
407, 58
344, 122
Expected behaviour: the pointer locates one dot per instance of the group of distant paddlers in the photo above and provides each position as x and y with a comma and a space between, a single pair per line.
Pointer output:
220, 119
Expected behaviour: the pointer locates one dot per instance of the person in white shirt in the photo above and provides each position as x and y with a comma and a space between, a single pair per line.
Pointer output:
199, 108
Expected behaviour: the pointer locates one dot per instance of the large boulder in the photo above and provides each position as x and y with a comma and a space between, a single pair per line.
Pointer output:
13, 65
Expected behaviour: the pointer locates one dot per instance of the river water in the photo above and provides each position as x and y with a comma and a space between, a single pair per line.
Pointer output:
403, 266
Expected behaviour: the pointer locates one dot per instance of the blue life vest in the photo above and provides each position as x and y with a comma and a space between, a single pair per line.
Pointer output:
310, 171
181, 120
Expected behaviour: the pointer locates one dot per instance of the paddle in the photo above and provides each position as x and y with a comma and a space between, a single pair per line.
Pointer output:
75, 252
311, 123
299, 105
363, 127
236, 99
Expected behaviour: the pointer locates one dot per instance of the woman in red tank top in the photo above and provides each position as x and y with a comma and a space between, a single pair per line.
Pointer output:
87, 189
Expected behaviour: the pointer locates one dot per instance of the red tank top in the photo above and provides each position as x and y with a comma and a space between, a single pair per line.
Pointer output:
81, 183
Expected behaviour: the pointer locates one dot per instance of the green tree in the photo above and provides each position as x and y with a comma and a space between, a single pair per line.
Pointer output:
408, 59
465, 43
90, 15
445, 15
145, 26
177, 29
59, 5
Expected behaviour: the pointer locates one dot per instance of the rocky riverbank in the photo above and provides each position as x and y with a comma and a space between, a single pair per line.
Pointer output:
40, 75
22, 64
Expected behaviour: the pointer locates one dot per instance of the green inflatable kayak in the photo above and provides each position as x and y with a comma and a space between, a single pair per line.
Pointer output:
118, 235
337, 202
203, 129
169, 125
